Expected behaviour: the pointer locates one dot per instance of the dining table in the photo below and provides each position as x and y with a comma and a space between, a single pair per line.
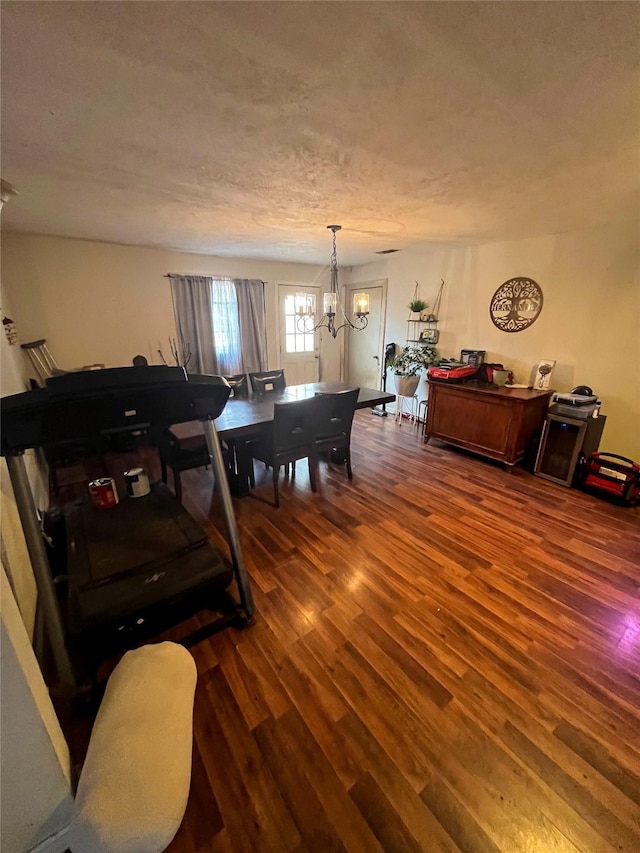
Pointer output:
243, 418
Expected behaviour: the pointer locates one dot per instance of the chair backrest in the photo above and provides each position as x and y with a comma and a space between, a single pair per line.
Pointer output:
239, 385
335, 414
294, 424
266, 382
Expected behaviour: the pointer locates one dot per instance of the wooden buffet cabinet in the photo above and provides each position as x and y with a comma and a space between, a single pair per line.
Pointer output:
495, 422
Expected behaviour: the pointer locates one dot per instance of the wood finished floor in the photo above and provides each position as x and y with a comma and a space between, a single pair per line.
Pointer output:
445, 657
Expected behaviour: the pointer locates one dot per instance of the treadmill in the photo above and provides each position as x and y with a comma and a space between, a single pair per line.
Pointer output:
139, 567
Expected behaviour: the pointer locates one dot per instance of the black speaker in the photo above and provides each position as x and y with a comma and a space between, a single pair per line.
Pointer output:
562, 443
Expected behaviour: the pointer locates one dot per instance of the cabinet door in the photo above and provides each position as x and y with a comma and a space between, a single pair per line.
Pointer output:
478, 422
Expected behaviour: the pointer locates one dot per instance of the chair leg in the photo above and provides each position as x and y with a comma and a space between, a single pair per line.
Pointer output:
177, 482
163, 470
313, 467
276, 496
348, 461
293, 470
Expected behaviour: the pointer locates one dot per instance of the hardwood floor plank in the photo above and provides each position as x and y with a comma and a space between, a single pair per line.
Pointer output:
591, 751
456, 820
411, 810
202, 821
314, 824
382, 817
274, 825
245, 688
269, 686
600, 808
349, 824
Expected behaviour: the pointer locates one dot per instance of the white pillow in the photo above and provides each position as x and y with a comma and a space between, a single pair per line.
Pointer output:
134, 784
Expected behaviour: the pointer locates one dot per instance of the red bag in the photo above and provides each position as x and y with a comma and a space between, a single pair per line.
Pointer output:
613, 475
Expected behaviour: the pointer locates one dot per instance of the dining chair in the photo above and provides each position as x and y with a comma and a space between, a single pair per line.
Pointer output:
266, 382
239, 385
332, 432
289, 438
181, 455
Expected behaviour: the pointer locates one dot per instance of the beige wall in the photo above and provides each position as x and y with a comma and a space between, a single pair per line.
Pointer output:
102, 302
35, 794
14, 549
589, 323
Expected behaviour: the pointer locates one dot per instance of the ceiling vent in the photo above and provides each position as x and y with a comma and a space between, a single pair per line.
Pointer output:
387, 251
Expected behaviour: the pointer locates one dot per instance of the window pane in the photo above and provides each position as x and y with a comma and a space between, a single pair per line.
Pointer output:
308, 343
289, 305
300, 343
290, 325
226, 328
291, 343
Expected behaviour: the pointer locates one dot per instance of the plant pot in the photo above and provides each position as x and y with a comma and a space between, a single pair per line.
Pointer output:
406, 386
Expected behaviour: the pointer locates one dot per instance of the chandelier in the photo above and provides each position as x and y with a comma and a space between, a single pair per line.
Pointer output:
306, 304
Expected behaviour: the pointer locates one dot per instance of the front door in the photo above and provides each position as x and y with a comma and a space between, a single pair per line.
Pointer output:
299, 349
364, 351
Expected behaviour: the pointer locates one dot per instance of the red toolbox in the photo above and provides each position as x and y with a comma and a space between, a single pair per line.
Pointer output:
613, 475
451, 374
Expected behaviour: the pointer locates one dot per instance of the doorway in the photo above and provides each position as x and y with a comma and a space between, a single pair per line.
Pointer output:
364, 351
299, 350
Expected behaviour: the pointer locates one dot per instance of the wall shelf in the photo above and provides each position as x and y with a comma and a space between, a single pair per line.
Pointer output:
417, 328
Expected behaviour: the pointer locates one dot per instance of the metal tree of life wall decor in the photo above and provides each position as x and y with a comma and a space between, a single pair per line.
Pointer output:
516, 304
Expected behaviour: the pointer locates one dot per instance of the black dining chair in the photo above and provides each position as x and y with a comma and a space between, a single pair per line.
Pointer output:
239, 385
181, 455
266, 382
332, 434
289, 438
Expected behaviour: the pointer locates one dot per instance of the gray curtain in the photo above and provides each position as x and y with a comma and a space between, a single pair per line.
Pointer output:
193, 307
253, 328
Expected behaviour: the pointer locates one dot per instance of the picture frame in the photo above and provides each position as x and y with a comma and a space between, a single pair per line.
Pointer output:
429, 336
542, 382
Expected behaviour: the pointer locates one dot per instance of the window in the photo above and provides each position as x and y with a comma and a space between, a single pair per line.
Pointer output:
296, 340
226, 326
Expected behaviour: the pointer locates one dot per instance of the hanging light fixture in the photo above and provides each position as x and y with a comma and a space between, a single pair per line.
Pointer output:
306, 304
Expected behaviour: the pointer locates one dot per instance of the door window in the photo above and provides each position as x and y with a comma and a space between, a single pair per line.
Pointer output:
295, 339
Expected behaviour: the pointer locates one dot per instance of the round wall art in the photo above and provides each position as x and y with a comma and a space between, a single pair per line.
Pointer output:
516, 304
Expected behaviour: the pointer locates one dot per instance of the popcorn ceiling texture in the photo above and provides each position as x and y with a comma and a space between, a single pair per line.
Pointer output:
244, 128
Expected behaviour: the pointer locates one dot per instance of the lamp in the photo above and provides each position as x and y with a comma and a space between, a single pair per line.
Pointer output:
305, 304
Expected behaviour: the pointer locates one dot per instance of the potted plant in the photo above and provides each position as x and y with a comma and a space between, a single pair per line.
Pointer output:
406, 367
417, 306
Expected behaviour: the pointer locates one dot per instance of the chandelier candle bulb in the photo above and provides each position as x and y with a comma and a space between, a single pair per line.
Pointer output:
305, 304
360, 304
330, 302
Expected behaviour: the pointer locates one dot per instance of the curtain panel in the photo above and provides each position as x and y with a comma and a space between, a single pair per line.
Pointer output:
223, 321
193, 308
253, 323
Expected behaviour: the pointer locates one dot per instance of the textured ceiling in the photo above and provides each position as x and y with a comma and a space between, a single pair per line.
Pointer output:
245, 128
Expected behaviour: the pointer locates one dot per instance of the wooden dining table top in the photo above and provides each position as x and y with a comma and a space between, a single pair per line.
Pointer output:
244, 416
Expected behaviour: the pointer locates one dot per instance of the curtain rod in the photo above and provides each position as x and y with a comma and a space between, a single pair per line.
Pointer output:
209, 275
